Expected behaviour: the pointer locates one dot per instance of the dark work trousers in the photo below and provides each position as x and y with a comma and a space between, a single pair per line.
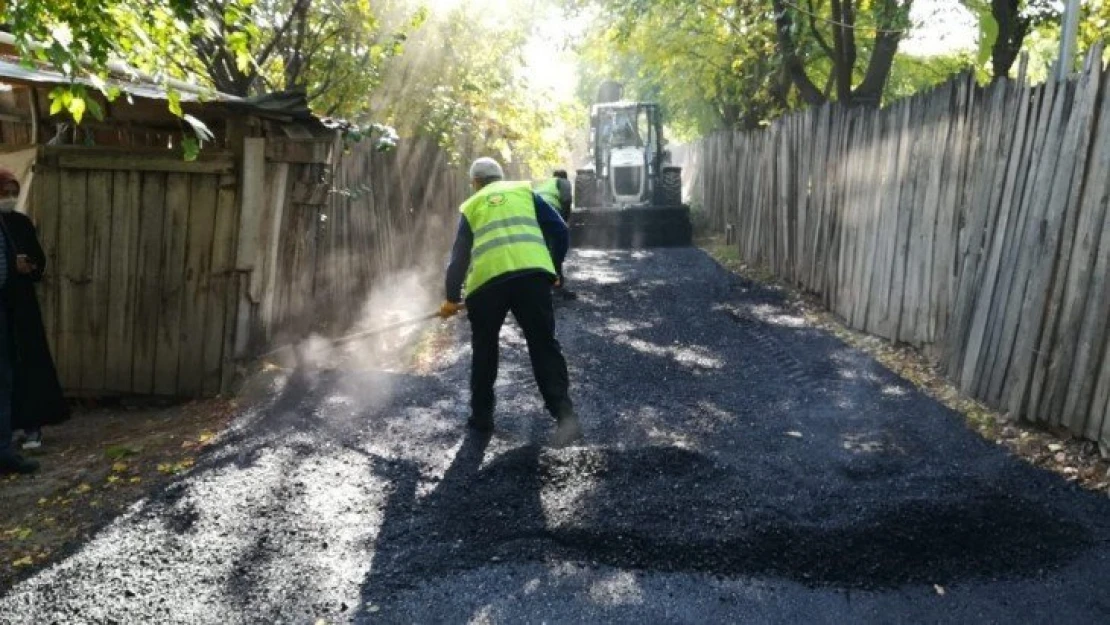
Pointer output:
565, 214
529, 299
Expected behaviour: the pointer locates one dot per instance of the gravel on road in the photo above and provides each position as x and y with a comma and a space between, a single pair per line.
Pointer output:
739, 466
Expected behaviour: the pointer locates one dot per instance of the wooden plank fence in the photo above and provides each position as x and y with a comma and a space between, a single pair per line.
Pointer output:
345, 232
133, 263
970, 221
163, 274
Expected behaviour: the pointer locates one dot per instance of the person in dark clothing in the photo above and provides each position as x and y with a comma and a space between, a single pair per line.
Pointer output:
11, 266
556, 191
508, 245
37, 395
566, 194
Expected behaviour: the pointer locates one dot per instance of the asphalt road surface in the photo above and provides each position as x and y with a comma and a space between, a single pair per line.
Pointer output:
739, 467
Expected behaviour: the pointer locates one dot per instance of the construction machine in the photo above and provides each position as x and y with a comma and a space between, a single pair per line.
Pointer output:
628, 195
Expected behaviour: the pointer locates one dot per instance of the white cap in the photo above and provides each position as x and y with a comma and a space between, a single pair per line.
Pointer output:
486, 168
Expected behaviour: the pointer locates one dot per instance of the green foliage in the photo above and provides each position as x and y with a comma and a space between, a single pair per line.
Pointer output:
83, 39
727, 63
462, 80
914, 74
710, 63
333, 50
988, 29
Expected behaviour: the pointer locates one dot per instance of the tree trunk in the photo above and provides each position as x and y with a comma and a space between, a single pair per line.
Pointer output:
870, 91
295, 59
793, 65
1012, 29
844, 47
889, 34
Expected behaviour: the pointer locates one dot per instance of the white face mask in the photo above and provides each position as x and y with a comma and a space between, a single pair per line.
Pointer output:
7, 205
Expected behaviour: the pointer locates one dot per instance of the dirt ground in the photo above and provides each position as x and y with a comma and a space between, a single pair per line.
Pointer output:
93, 467
1075, 459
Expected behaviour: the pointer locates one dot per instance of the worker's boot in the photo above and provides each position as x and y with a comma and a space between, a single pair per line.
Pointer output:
11, 462
567, 431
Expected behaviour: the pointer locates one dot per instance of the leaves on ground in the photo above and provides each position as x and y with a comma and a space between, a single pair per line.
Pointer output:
93, 467
118, 452
18, 533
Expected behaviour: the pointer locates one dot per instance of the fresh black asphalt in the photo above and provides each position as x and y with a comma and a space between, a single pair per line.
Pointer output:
739, 466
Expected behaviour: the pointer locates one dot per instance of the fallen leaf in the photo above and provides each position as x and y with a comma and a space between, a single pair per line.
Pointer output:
135, 480
119, 467
116, 452
205, 437
1055, 447
43, 501
83, 488
112, 479
24, 561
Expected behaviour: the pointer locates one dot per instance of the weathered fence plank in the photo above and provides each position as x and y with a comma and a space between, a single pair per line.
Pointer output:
196, 288
72, 274
1056, 347
126, 188
973, 221
149, 281
98, 260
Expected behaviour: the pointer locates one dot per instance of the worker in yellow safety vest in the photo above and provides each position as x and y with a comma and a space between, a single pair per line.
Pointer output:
508, 245
557, 192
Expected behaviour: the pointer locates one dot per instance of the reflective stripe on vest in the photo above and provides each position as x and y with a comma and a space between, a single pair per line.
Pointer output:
549, 191
507, 237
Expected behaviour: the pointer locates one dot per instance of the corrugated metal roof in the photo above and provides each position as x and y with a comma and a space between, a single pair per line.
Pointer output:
284, 106
13, 70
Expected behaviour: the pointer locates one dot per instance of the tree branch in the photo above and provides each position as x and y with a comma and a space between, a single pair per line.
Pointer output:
870, 91
279, 34
842, 67
792, 63
824, 45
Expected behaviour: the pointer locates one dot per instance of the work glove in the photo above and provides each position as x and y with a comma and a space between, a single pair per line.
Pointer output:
449, 309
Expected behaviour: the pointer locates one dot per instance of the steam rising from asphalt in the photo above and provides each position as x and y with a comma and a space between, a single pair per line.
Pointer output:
400, 297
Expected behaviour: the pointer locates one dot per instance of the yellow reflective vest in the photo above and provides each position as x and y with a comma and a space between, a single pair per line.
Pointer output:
507, 237
549, 191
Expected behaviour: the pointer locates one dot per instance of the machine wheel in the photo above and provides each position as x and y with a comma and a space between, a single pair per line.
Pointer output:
585, 189
668, 190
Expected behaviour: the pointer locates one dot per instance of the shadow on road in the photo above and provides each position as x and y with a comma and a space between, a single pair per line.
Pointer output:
728, 443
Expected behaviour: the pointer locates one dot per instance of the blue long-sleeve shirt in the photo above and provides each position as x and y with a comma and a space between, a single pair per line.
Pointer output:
555, 234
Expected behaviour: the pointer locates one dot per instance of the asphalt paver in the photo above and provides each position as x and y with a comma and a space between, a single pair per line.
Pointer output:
739, 466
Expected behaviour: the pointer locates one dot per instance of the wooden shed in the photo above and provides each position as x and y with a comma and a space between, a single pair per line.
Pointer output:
163, 274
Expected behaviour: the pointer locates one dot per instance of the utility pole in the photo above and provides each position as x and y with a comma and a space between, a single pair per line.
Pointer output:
1069, 30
